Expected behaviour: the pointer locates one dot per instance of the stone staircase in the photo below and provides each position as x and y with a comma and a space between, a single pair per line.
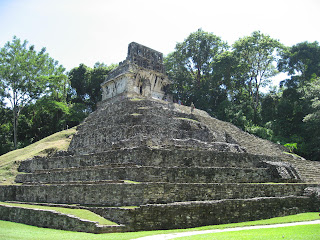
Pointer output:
148, 164
309, 171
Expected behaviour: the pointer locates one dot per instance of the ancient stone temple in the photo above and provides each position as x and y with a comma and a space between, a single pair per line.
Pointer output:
142, 73
145, 162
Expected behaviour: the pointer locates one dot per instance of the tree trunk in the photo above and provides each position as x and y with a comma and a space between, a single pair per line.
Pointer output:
198, 77
15, 127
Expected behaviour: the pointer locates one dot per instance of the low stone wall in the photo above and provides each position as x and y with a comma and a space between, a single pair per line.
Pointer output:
219, 212
152, 174
145, 156
119, 194
8, 193
53, 219
195, 214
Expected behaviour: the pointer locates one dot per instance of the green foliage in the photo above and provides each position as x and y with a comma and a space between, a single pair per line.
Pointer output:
43, 118
297, 108
312, 92
291, 147
311, 95
25, 75
6, 143
86, 82
256, 56
301, 61
259, 131
190, 67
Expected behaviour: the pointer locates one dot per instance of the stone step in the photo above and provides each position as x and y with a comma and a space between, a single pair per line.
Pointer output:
129, 194
136, 117
112, 112
127, 105
145, 156
154, 174
308, 170
95, 139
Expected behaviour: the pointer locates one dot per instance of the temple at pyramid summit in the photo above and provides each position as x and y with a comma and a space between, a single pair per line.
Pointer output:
145, 163
142, 73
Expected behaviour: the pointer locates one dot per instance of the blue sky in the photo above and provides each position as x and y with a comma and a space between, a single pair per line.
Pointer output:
87, 31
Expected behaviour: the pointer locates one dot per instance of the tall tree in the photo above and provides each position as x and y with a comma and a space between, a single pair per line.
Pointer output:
301, 62
190, 67
25, 75
312, 93
257, 56
298, 100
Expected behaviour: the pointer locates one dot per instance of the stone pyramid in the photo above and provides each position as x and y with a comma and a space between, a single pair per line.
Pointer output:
147, 163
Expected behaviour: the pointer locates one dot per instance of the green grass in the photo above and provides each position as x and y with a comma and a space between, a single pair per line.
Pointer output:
292, 154
9, 162
13, 231
131, 182
80, 213
277, 220
136, 99
310, 232
129, 207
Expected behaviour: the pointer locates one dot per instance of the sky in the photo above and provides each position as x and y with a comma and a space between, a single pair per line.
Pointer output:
90, 31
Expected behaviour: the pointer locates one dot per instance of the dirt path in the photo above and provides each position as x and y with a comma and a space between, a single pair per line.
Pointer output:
185, 234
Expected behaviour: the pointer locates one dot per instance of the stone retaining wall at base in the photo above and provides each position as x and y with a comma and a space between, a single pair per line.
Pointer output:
53, 219
195, 214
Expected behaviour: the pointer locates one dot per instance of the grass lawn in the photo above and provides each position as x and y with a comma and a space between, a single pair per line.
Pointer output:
303, 232
13, 231
80, 213
9, 162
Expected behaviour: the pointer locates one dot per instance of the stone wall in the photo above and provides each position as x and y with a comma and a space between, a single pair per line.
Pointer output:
152, 174
194, 214
145, 57
53, 219
144, 156
8, 193
119, 194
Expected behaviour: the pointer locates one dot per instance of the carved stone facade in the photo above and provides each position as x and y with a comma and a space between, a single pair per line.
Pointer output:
141, 74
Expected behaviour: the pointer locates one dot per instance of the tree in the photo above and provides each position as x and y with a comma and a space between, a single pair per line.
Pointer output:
26, 74
312, 120
5, 130
190, 67
301, 61
297, 111
86, 82
256, 56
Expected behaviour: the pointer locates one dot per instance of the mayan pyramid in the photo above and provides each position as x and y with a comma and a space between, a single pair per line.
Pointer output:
147, 163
